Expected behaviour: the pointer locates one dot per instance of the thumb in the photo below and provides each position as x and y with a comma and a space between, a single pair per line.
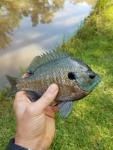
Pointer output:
46, 98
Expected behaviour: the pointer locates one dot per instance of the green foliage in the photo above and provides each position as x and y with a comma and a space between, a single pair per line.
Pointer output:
90, 125
7, 119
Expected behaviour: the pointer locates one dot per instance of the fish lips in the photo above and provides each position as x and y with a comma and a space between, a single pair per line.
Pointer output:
88, 87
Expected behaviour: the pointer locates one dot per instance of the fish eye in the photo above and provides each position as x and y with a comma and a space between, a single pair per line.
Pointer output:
30, 72
71, 75
92, 76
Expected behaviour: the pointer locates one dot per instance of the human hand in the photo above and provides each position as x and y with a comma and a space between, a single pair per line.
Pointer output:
35, 123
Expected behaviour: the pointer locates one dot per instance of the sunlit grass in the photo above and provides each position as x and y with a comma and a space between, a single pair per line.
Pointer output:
90, 125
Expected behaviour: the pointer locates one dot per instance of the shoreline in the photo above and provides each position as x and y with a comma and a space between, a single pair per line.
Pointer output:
90, 125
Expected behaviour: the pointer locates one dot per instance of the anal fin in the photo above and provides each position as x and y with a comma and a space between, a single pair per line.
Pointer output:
65, 108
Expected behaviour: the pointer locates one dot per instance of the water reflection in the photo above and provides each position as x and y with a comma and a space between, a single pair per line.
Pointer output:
11, 13
29, 27
90, 2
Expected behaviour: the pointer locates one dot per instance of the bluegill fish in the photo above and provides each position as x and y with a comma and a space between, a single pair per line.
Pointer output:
74, 78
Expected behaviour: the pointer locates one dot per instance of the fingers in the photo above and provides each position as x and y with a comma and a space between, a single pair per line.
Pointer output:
20, 103
47, 98
21, 96
50, 111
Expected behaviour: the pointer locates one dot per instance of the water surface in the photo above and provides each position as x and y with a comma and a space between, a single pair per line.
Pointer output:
31, 27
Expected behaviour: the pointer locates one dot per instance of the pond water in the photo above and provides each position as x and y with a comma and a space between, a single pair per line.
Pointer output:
31, 27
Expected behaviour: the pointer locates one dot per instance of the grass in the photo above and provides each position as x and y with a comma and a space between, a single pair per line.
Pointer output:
90, 125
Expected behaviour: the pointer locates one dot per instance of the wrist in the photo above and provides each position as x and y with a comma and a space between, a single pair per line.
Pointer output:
33, 144
12, 146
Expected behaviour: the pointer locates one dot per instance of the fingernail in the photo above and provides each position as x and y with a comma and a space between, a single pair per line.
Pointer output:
53, 88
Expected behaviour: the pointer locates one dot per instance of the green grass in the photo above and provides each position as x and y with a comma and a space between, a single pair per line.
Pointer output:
90, 125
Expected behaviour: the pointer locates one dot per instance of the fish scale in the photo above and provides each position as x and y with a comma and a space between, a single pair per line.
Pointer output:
57, 73
74, 78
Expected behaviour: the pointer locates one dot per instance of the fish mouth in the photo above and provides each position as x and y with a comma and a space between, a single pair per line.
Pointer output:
89, 86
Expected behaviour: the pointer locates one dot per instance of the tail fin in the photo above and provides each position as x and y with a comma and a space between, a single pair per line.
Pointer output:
12, 81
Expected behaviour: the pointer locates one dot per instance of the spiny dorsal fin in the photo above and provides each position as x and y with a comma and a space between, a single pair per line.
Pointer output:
44, 59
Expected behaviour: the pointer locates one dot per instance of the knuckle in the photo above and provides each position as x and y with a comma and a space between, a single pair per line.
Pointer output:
20, 93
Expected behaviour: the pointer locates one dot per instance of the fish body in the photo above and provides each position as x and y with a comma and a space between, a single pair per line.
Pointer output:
74, 78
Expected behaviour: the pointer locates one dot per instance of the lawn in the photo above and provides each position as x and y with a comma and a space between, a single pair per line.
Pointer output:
90, 125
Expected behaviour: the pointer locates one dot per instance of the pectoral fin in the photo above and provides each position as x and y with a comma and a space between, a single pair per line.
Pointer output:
33, 96
65, 108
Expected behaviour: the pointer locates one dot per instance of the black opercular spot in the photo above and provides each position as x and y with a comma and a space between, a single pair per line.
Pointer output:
92, 76
71, 75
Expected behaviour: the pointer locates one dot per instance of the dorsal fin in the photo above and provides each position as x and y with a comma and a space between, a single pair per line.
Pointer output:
44, 59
